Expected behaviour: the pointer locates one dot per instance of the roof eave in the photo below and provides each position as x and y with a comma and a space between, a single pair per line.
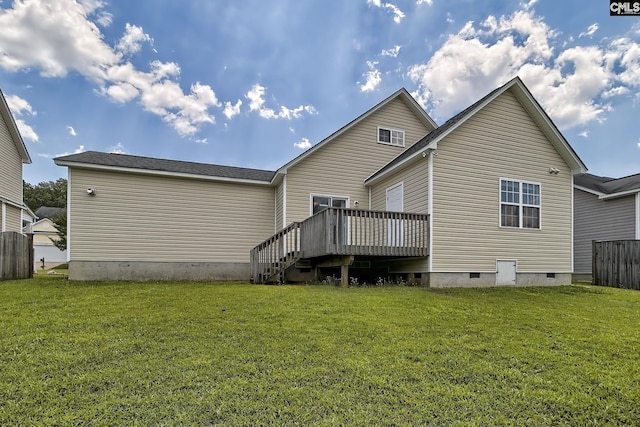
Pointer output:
81, 165
620, 194
375, 177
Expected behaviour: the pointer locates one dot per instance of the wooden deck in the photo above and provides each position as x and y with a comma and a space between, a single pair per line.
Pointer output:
341, 232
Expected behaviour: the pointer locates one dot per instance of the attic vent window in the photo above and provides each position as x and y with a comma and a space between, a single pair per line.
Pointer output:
391, 136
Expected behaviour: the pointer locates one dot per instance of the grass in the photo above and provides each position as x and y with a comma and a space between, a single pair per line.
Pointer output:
238, 354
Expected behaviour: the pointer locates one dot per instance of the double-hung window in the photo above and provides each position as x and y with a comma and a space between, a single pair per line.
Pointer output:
519, 204
391, 136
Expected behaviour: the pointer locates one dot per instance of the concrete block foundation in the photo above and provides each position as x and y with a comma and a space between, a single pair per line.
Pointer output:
143, 271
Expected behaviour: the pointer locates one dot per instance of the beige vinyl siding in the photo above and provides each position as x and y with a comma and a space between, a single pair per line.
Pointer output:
340, 167
135, 217
500, 141
13, 219
416, 187
10, 167
596, 219
44, 231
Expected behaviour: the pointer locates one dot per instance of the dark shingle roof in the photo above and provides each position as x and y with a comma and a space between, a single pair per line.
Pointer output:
164, 165
605, 185
49, 212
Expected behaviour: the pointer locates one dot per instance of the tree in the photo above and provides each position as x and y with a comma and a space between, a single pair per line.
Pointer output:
51, 193
60, 221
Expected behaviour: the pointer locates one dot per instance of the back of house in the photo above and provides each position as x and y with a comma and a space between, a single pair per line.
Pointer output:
140, 218
484, 199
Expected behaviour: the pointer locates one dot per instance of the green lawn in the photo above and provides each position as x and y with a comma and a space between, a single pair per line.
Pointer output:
238, 354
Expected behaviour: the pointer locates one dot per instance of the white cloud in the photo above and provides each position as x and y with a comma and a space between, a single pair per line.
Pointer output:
398, 14
570, 84
231, 110
18, 107
104, 19
590, 31
584, 134
61, 37
373, 78
162, 96
72, 131
257, 103
303, 144
201, 141
27, 131
393, 52
116, 149
54, 37
132, 39
429, 2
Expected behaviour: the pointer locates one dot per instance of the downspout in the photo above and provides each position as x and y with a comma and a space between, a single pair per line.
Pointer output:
284, 201
572, 224
638, 216
4, 218
68, 214
430, 209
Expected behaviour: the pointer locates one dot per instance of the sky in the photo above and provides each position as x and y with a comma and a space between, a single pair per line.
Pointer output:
253, 83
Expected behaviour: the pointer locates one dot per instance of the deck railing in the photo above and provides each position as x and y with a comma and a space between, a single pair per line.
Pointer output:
276, 253
343, 231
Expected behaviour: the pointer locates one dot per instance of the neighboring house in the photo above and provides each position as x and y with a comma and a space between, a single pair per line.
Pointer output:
605, 209
44, 232
14, 214
484, 199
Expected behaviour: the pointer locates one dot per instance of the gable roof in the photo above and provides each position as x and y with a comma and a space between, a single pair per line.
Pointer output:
606, 187
401, 94
6, 115
49, 212
520, 91
150, 165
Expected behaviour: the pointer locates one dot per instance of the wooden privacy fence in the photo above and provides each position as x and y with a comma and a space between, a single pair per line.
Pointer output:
616, 263
16, 256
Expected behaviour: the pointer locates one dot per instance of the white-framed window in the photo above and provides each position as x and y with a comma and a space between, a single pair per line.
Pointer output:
391, 136
519, 204
321, 202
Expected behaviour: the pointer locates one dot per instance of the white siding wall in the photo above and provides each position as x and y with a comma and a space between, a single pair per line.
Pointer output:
341, 166
501, 141
137, 217
10, 169
596, 219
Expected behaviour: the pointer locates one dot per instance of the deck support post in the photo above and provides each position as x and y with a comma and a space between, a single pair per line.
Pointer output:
344, 270
344, 275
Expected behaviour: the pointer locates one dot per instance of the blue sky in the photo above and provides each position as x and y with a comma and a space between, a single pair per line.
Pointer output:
253, 83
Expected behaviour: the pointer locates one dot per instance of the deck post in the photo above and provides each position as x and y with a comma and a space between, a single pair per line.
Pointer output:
344, 270
344, 276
